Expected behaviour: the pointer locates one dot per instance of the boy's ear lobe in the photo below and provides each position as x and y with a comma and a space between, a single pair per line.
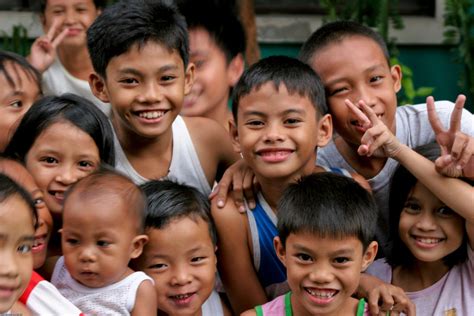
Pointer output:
235, 69
369, 255
234, 135
98, 88
189, 78
396, 72
325, 130
280, 249
138, 243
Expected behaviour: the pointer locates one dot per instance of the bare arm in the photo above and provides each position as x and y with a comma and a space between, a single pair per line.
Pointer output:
234, 259
145, 302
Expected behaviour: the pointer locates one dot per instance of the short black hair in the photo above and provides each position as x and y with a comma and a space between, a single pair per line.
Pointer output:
107, 181
335, 32
402, 184
31, 72
41, 5
69, 108
168, 200
328, 205
9, 188
136, 22
298, 78
223, 25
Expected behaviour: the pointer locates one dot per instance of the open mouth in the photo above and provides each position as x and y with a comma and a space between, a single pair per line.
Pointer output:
57, 195
321, 296
182, 299
275, 155
427, 242
151, 115
39, 243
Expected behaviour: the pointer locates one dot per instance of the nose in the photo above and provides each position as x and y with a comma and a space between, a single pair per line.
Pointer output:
366, 94
321, 274
151, 93
273, 133
181, 276
8, 264
69, 16
87, 254
426, 222
68, 175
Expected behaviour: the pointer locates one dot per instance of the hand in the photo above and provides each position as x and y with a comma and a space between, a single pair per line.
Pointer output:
43, 50
389, 298
457, 148
377, 140
241, 180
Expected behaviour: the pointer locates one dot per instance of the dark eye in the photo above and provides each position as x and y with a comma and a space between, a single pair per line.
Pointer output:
157, 266
25, 248
197, 259
304, 257
103, 243
17, 104
50, 160
129, 81
412, 207
292, 121
376, 78
167, 78
85, 164
338, 91
72, 241
341, 260
445, 211
39, 201
254, 123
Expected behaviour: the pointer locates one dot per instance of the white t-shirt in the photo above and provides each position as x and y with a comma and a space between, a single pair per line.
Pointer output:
57, 80
453, 294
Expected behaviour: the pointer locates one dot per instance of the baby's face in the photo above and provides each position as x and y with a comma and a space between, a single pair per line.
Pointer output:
181, 260
98, 240
16, 241
15, 99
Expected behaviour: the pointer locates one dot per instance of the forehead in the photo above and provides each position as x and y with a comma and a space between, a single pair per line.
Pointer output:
21, 77
16, 215
18, 173
68, 2
324, 245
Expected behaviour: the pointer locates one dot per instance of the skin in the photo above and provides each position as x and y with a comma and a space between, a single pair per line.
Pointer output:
273, 135
146, 88
15, 100
18, 173
180, 266
323, 273
16, 240
355, 68
60, 156
213, 78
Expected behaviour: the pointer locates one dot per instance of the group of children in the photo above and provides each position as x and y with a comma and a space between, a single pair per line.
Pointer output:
84, 204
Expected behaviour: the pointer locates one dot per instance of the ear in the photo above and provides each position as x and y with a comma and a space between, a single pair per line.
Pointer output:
369, 255
189, 78
280, 250
98, 87
396, 73
324, 130
137, 245
235, 69
234, 135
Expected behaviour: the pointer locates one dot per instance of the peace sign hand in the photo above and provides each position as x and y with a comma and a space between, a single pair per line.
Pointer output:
457, 148
378, 140
43, 49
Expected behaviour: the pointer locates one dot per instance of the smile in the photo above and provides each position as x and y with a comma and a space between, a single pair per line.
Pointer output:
321, 293
151, 114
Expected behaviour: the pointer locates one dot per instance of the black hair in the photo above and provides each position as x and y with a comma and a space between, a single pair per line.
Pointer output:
31, 72
107, 181
335, 32
168, 200
69, 108
402, 184
136, 22
298, 78
41, 5
223, 25
9, 188
328, 205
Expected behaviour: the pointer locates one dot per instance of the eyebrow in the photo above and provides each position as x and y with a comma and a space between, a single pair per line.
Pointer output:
286, 112
22, 238
368, 70
135, 72
341, 251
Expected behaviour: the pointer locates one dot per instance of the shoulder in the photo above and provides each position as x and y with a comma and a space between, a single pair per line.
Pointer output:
250, 312
229, 214
203, 126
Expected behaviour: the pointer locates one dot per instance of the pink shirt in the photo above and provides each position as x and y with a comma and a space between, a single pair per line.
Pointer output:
453, 294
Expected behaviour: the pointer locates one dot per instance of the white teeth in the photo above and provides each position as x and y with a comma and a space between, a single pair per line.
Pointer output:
322, 294
428, 240
181, 296
151, 114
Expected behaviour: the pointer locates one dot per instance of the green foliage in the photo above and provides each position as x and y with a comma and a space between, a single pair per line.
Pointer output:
18, 42
459, 23
379, 15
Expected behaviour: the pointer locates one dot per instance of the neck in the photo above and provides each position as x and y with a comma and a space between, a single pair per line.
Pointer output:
76, 61
419, 276
221, 114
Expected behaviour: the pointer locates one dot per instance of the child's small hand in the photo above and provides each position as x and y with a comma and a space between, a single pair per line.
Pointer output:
387, 299
457, 148
43, 50
377, 140
241, 180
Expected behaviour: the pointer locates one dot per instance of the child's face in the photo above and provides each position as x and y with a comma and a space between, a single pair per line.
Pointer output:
428, 228
146, 88
76, 15
181, 260
98, 240
19, 174
60, 156
16, 240
16, 100
356, 69
323, 273
278, 133
214, 76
